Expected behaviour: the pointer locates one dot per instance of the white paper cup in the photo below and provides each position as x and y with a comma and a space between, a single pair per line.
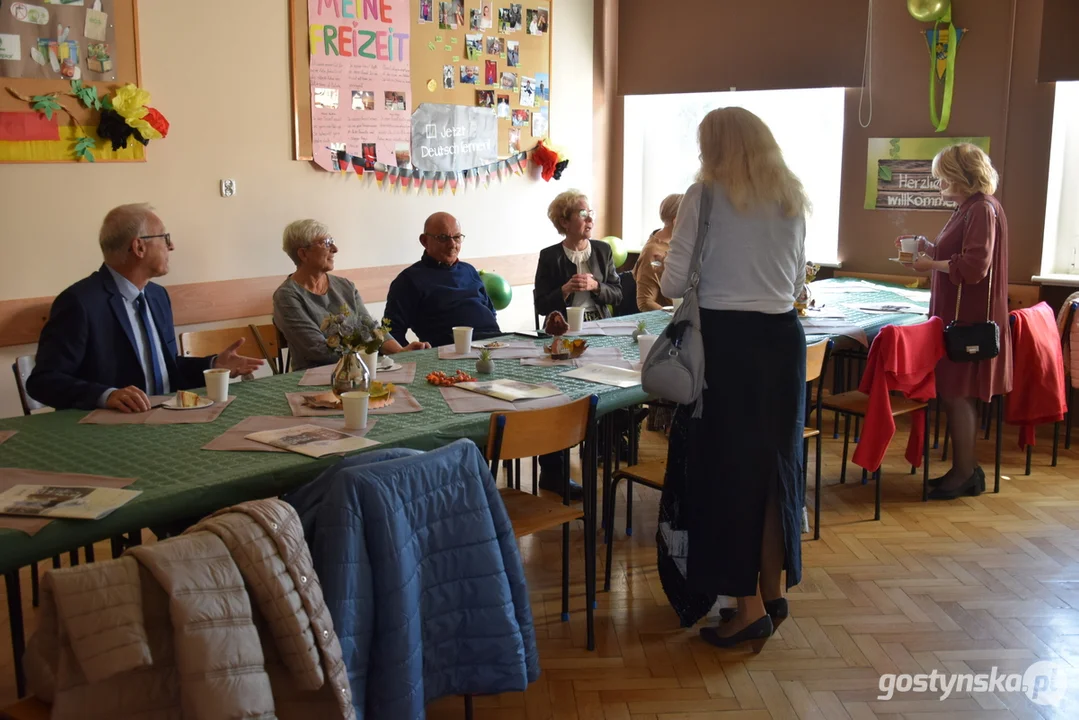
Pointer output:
908, 247
355, 404
646, 342
462, 340
371, 361
575, 318
217, 384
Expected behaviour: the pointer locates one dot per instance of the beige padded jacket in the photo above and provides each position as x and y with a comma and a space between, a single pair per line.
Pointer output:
225, 621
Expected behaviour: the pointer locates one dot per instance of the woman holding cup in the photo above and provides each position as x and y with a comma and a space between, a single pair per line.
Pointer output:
578, 272
969, 256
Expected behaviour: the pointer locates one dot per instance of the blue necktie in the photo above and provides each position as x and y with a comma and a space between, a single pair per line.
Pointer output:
144, 317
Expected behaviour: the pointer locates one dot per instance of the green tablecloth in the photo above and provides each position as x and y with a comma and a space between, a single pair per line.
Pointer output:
857, 292
179, 480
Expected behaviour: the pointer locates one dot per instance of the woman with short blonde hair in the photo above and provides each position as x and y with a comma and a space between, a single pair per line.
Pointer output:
970, 253
741, 460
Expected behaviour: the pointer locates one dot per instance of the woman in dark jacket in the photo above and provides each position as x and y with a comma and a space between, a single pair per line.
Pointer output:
579, 271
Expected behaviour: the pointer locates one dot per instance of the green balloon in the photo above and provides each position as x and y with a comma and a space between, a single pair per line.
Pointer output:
928, 10
498, 289
618, 250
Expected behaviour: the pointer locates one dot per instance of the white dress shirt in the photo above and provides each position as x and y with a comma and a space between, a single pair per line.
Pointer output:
130, 294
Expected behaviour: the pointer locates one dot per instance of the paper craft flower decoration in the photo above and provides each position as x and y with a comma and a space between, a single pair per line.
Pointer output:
551, 163
127, 115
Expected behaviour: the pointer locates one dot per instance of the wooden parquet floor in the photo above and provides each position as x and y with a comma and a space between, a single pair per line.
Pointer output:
952, 587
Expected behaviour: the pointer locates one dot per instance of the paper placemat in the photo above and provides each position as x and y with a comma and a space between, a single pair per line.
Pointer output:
320, 376
10, 477
514, 350
605, 355
464, 402
234, 439
606, 375
106, 416
7, 435
607, 329
163, 416
403, 402
829, 326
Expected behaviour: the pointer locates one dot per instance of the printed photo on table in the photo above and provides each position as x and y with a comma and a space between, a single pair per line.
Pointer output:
470, 74
528, 91
509, 80
495, 45
395, 100
485, 98
515, 141
513, 53
447, 77
363, 100
426, 9
503, 106
521, 118
326, 98
487, 15
473, 46
490, 74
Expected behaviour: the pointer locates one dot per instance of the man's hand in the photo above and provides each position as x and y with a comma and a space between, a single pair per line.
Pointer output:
237, 364
416, 346
128, 400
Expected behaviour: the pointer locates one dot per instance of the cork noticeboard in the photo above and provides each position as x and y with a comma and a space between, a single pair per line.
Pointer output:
36, 24
517, 42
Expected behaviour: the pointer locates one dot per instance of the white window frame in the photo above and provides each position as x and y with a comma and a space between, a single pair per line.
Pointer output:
1060, 241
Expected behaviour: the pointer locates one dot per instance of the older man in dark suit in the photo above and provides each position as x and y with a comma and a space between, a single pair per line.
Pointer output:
110, 341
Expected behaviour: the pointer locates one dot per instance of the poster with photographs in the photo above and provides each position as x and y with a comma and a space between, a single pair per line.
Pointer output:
58, 40
478, 54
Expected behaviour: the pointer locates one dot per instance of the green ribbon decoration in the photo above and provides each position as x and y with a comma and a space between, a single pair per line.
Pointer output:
940, 122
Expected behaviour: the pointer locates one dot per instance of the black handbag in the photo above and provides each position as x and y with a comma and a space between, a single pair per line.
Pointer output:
970, 342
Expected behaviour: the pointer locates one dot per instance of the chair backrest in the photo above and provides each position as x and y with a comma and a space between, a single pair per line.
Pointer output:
269, 340
817, 356
628, 306
22, 367
201, 343
528, 433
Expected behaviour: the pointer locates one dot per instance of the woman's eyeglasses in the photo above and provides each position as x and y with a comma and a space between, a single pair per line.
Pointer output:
327, 242
586, 214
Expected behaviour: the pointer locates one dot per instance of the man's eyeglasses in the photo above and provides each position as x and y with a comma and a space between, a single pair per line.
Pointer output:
586, 214
447, 238
166, 236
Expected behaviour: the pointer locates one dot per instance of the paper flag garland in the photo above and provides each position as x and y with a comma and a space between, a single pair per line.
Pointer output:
406, 180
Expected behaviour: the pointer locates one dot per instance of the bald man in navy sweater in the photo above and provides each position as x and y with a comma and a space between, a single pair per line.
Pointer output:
440, 291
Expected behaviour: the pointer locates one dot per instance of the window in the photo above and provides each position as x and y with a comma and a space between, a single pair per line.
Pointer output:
1060, 248
661, 154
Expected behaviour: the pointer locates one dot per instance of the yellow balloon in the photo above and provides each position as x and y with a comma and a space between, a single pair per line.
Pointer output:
928, 10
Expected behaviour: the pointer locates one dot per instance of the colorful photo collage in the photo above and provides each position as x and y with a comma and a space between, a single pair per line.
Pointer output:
521, 100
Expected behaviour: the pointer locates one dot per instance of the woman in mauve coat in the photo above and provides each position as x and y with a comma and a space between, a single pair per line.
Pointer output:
969, 256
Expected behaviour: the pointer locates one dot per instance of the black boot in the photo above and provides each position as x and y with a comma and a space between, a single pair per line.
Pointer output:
552, 478
974, 486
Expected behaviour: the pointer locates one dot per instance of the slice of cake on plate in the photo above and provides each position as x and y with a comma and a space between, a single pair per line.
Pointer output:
186, 399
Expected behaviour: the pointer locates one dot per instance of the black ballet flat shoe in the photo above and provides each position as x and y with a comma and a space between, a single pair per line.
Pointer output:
938, 481
777, 610
974, 486
757, 633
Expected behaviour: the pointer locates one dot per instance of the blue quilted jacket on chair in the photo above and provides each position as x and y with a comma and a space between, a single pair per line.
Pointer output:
422, 576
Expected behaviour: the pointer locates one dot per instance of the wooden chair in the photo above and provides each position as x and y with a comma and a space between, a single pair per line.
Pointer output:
816, 366
258, 342
22, 367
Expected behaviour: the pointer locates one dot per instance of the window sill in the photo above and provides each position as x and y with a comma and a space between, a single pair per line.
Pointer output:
1061, 279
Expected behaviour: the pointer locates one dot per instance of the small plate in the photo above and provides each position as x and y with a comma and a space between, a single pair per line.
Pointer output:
391, 367
204, 402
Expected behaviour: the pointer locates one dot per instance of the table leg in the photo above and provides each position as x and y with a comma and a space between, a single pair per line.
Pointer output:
14, 613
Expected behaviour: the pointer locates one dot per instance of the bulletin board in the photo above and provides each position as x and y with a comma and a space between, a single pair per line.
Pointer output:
453, 59
45, 44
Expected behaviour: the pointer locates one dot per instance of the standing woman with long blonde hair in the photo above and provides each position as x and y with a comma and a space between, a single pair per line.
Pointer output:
743, 463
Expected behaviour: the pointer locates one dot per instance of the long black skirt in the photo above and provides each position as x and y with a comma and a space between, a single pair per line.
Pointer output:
723, 466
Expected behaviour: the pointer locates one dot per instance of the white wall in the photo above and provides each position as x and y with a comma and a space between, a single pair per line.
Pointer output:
230, 113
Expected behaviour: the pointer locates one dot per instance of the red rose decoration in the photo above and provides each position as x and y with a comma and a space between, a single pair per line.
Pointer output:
157, 121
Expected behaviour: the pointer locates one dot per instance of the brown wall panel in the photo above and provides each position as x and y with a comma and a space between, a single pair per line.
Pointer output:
1059, 58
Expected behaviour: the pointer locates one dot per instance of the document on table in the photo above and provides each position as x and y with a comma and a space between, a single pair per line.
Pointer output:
608, 329
891, 308
606, 375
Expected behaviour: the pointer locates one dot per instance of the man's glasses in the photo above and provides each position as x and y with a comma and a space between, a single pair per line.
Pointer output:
447, 238
166, 236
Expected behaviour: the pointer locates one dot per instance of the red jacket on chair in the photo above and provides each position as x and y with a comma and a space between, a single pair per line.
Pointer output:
1038, 395
903, 358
